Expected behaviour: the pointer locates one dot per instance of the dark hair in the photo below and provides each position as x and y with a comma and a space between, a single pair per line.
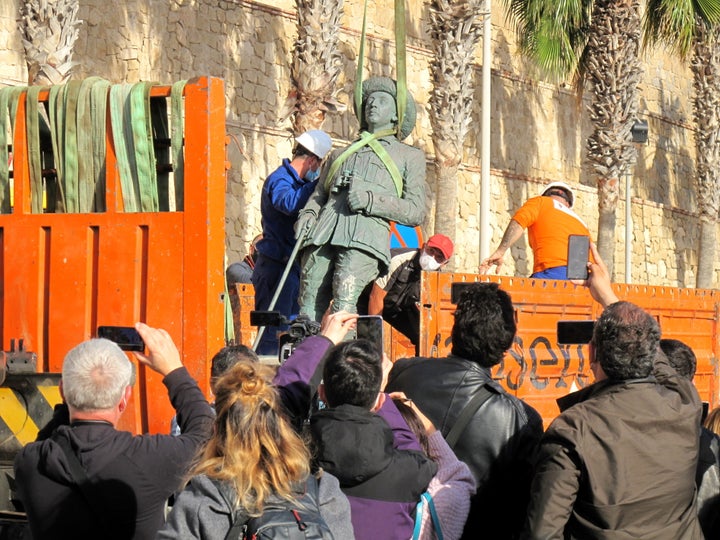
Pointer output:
300, 150
227, 357
681, 357
414, 423
626, 340
485, 325
558, 192
353, 374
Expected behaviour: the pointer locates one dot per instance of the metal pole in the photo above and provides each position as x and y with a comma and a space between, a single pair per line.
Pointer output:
281, 284
628, 230
485, 137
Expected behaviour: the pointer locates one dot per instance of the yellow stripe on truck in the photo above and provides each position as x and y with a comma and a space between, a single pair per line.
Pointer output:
15, 415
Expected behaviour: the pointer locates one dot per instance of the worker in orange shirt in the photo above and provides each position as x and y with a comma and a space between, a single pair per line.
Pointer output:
550, 220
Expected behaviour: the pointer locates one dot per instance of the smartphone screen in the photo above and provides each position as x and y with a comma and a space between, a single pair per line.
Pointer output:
126, 337
574, 332
370, 327
578, 256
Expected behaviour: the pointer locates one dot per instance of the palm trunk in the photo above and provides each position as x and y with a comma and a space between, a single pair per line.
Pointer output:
614, 70
446, 209
316, 63
706, 81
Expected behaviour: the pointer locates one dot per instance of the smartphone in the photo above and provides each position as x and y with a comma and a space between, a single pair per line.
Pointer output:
370, 327
574, 332
578, 256
126, 337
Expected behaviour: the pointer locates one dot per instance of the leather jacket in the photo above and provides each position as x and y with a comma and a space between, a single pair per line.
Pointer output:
498, 443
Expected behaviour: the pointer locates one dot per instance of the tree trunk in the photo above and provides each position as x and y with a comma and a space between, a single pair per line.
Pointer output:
706, 254
607, 205
706, 111
446, 208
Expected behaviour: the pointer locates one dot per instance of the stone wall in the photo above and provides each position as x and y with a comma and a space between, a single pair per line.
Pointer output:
538, 129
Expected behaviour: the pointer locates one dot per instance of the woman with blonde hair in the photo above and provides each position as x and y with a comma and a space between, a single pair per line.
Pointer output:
254, 459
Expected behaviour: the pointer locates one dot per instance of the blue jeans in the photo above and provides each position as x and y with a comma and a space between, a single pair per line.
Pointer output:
557, 272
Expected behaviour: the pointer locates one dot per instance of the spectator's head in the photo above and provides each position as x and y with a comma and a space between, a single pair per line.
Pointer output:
253, 447
226, 358
96, 376
436, 252
712, 422
626, 341
485, 324
561, 190
353, 375
681, 357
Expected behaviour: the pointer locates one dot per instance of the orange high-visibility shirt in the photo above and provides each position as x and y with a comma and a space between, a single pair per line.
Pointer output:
549, 223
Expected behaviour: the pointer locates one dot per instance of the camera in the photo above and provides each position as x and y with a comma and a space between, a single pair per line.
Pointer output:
298, 329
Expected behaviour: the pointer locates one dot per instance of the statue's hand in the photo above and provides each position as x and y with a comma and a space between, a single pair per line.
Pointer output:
304, 222
359, 199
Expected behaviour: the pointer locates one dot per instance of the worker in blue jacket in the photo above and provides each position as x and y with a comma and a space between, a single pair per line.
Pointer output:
284, 194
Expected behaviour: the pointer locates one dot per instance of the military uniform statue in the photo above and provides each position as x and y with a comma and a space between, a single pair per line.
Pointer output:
345, 226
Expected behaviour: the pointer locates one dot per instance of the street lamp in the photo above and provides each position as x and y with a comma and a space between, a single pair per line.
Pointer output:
639, 133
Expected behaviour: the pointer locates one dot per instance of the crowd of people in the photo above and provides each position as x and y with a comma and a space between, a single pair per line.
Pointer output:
337, 442
356, 442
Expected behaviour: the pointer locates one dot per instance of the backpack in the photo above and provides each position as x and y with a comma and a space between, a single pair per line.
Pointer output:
284, 520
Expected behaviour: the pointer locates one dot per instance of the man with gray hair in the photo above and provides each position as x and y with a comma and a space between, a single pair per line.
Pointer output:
89, 480
619, 461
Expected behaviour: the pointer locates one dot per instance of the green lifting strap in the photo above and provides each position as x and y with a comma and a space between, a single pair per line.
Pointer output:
8, 100
146, 176
177, 125
368, 139
123, 149
32, 128
98, 107
70, 161
359, 73
400, 67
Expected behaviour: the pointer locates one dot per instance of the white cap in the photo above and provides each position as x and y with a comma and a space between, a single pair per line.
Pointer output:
315, 140
564, 187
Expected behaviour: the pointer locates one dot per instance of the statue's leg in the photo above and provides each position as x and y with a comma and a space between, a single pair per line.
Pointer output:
354, 270
317, 264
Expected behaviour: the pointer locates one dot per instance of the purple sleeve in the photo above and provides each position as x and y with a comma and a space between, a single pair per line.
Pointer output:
298, 377
403, 436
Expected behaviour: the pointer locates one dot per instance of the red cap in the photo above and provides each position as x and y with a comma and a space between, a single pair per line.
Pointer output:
441, 242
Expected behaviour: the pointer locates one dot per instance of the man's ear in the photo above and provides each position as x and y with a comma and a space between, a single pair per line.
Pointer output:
125, 399
378, 402
62, 394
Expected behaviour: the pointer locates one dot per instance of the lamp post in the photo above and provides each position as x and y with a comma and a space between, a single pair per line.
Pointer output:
639, 132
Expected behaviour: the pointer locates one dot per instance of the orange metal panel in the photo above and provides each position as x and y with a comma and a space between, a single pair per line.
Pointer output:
539, 370
65, 274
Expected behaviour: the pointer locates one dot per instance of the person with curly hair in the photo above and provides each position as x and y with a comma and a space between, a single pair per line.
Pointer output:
254, 458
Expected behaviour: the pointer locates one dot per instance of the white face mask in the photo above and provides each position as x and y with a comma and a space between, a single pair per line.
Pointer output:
428, 263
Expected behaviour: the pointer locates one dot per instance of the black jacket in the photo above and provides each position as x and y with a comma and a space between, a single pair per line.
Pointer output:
133, 475
498, 443
382, 483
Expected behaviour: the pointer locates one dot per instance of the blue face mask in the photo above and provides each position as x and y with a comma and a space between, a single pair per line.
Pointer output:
311, 176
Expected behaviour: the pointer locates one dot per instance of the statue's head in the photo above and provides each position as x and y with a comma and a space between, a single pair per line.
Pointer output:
388, 85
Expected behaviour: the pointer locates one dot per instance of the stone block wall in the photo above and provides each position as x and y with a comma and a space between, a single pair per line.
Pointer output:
538, 129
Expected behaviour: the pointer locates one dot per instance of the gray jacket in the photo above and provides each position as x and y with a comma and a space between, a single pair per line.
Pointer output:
201, 511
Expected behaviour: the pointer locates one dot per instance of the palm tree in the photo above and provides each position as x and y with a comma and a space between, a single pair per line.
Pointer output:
597, 42
693, 28
455, 29
49, 31
317, 62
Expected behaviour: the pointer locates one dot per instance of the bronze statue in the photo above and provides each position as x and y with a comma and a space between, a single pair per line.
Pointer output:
344, 227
